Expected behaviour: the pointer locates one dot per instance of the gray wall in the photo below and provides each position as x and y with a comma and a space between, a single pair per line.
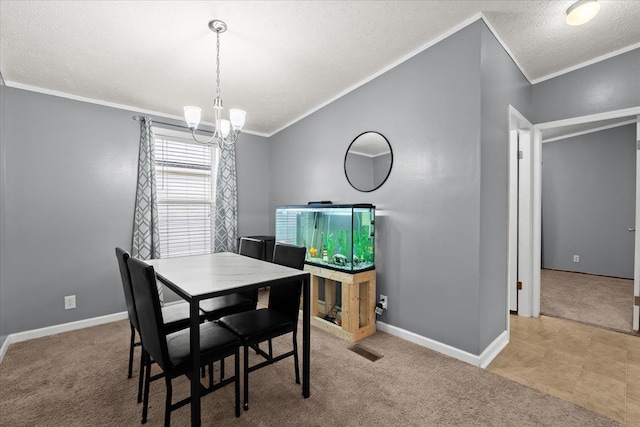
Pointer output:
68, 202
252, 162
608, 85
69, 177
428, 225
588, 202
502, 84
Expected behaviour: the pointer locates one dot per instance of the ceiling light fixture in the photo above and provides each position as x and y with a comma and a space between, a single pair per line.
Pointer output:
582, 12
226, 131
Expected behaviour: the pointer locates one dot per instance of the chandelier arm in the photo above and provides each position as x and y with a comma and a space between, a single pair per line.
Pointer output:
209, 141
228, 140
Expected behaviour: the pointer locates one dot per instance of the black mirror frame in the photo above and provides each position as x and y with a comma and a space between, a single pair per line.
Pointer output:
345, 162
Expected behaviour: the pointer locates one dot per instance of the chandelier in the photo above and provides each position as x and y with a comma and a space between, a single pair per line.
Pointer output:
226, 131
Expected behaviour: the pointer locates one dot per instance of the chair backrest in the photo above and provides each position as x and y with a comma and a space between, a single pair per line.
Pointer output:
289, 255
253, 248
147, 301
286, 298
123, 256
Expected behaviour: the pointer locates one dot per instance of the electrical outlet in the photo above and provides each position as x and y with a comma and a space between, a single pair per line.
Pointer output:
383, 301
576, 258
69, 302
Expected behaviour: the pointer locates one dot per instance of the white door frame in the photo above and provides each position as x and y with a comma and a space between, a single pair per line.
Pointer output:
636, 267
531, 299
518, 269
512, 261
536, 225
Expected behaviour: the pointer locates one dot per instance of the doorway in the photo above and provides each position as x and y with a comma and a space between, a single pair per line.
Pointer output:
588, 206
524, 258
522, 272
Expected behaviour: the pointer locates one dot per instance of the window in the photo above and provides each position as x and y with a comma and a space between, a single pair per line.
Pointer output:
186, 188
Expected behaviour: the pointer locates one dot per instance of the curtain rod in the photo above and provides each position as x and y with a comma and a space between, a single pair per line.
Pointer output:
138, 118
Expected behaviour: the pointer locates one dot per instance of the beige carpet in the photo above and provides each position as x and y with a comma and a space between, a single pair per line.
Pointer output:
597, 300
79, 379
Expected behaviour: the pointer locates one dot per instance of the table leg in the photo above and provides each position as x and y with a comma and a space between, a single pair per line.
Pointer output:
306, 337
195, 358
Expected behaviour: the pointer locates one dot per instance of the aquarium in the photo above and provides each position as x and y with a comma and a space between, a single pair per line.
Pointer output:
340, 237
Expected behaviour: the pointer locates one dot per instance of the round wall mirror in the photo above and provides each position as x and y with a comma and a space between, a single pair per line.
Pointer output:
368, 161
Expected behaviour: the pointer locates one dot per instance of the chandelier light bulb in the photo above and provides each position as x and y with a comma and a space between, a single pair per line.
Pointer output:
582, 12
225, 127
192, 116
237, 118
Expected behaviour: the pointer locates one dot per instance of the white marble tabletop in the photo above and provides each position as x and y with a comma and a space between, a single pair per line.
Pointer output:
205, 276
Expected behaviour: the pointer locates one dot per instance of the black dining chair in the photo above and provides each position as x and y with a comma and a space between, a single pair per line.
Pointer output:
215, 308
280, 318
172, 351
251, 247
175, 316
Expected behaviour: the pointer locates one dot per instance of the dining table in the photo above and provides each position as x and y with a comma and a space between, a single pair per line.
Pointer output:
200, 277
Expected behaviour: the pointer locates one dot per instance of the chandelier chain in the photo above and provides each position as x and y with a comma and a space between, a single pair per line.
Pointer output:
218, 63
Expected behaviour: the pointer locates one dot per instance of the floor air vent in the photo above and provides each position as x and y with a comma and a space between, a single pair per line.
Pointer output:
365, 352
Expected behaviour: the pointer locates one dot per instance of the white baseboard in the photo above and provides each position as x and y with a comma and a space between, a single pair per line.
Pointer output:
57, 329
493, 349
481, 361
4, 348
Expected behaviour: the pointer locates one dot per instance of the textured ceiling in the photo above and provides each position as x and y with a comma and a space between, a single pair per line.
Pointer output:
280, 60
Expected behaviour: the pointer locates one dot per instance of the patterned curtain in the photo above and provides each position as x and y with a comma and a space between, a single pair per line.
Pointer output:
146, 237
226, 207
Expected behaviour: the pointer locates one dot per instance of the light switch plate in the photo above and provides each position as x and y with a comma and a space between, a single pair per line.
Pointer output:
69, 302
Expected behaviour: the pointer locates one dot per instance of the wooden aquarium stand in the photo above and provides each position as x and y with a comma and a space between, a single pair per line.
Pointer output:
358, 302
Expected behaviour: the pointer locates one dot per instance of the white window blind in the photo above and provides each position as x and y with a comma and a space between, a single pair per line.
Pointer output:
185, 182
287, 226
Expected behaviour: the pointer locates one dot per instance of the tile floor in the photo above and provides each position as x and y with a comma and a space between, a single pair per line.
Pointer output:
592, 367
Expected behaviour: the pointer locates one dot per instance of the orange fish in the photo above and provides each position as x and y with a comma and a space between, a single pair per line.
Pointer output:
313, 251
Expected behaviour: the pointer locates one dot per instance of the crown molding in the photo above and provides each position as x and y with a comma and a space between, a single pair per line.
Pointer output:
104, 103
587, 63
